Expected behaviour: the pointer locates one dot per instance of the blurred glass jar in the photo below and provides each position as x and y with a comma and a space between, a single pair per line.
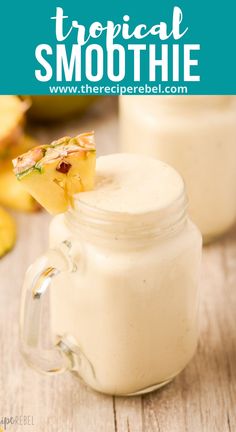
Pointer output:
197, 136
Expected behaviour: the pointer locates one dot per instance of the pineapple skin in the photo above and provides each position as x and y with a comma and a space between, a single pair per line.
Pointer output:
54, 173
7, 232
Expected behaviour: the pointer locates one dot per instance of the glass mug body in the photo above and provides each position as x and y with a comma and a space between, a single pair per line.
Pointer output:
197, 136
125, 316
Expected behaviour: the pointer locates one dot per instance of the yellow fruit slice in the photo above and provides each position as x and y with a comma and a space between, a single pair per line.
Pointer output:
7, 232
53, 173
12, 111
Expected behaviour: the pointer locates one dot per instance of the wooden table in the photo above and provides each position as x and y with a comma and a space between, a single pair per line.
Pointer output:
200, 399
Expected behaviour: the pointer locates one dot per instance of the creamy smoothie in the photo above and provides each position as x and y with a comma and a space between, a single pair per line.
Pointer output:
197, 136
132, 304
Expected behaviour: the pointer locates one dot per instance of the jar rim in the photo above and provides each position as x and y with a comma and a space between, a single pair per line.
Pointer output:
125, 224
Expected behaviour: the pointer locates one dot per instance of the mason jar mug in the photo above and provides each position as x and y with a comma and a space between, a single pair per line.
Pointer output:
124, 294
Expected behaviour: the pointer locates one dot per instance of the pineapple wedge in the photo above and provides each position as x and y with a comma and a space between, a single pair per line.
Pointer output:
7, 232
54, 173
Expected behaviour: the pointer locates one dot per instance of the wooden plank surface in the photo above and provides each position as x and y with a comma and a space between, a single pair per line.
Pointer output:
201, 399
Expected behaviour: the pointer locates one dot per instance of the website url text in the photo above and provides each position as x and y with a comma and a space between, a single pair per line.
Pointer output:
118, 89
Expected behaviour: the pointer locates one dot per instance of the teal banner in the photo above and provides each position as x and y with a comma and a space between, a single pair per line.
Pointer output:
126, 47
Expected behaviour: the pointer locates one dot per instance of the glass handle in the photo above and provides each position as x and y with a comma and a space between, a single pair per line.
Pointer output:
33, 325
